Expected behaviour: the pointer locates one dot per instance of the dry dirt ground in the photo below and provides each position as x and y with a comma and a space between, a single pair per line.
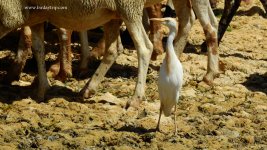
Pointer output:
230, 115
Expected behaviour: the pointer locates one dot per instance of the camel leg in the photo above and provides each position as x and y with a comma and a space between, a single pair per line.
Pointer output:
230, 8
155, 34
111, 36
160, 112
39, 53
65, 53
24, 51
84, 52
99, 50
144, 50
62, 69
186, 18
209, 23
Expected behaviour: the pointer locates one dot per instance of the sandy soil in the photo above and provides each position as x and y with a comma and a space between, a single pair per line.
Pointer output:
230, 115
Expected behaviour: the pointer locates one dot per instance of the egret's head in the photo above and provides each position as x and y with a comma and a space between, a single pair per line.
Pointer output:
171, 23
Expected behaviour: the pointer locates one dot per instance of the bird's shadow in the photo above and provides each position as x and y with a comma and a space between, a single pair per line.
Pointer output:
256, 82
134, 129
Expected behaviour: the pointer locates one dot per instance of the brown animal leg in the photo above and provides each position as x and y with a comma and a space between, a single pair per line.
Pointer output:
186, 17
213, 3
155, 34
65, 53
111, 37
230, 8
62, 69
39, 53
84, 53
23, 53
99, 50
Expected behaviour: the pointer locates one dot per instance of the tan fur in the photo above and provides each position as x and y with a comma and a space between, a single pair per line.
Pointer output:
211, 38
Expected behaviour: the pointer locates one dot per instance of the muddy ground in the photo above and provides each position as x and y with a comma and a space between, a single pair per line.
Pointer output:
230, 115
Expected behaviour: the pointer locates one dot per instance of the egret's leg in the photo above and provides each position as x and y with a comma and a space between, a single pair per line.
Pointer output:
23, 53
175, 124
160, 112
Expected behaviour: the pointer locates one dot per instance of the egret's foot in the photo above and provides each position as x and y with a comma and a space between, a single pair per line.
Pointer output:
175, 132
157, 129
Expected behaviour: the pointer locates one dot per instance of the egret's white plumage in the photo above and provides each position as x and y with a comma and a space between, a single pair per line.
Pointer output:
170, 75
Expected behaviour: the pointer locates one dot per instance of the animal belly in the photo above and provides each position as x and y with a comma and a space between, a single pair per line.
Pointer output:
83, 22
72, 20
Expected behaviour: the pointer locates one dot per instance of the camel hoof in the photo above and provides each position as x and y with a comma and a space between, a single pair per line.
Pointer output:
209, 77
41, 93
62, 76
157, 129
53, 70
135, 103
86, 93
208, 81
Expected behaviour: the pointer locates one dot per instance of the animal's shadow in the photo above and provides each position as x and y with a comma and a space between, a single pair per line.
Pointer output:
11, 93
256, 82
252, 11
138, 130
239, 55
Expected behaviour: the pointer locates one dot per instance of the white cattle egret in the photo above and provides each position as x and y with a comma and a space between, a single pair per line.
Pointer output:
170, 75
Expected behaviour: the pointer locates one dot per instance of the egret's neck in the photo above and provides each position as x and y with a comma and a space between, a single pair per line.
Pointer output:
169, 44
170, 57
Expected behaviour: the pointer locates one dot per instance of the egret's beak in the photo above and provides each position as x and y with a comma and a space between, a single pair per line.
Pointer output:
163, 19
